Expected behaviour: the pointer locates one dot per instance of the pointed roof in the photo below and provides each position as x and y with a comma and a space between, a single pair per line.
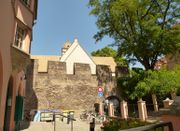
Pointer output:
72, 49
76, 54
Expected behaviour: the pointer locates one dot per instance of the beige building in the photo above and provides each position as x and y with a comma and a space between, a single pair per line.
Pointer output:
107, 61
70, 81
170, 61
17, 19
74, 53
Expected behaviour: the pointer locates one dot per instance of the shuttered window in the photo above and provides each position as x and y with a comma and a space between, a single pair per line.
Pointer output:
19, 108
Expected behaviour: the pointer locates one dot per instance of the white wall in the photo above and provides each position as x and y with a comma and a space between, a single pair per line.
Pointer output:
77, 55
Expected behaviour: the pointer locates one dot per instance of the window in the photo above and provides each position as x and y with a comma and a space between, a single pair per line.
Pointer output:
26, 2
20, 36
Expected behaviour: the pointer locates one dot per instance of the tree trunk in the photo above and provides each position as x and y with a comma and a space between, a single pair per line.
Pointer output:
147, 65
140, 99
155, 104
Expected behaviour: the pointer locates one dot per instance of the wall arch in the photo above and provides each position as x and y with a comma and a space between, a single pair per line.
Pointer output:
116, 103
8, 107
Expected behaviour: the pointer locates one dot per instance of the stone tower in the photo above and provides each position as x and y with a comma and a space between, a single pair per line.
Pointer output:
67, 44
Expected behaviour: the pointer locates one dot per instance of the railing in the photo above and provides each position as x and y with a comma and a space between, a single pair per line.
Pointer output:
134, 113
133, 110
53, 115
153, 127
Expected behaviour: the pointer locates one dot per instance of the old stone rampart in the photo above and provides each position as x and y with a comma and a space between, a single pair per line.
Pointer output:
55, 89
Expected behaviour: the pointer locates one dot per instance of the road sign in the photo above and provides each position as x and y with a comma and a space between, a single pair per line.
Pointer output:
100, 94
100, 89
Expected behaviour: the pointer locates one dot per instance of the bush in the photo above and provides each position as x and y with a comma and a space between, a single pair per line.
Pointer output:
114, 125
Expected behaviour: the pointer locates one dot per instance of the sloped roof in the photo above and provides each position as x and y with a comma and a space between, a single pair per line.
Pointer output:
109, 61
43, 61
71, 50
76, 54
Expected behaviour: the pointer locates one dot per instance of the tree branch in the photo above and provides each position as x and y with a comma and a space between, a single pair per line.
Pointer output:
157, 4
165, 14
147, 12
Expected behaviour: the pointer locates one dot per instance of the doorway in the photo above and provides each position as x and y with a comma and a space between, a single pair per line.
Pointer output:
116, 103
8, 105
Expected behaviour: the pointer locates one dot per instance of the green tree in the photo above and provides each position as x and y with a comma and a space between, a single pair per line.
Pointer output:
160, 82
142, 29
106, 52
109, 52
127, 85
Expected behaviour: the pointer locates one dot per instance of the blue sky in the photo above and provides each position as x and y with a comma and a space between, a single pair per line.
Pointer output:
62, 20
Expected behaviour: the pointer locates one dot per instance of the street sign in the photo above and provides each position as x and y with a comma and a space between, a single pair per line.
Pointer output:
100, 94
100, 89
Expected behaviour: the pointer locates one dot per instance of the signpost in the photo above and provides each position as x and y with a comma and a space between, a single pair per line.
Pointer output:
100, 91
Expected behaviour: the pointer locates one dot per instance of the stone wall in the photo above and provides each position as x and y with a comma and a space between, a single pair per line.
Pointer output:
20, 60
57, 90
30, 100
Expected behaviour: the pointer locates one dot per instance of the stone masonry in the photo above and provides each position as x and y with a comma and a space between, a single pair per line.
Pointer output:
55, 89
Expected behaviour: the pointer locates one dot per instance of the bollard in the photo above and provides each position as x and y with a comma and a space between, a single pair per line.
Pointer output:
54, 119
68, 118
71, 114
92, 125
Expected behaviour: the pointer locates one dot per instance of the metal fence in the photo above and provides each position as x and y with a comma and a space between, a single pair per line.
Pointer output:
133, 110
53, 116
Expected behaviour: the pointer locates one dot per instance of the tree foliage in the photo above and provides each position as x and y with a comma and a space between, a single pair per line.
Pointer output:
142, 29
127, 84
159, 82
105, 52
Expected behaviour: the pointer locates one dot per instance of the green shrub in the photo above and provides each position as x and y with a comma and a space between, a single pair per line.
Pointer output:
114, 125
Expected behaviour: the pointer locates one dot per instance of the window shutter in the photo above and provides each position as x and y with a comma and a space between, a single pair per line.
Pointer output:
19, 108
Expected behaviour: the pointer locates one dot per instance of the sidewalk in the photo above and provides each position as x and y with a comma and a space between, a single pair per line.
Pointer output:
78, 125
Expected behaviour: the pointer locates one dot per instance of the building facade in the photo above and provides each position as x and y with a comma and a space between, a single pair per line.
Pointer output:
70, 81
17, 20
76, 54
